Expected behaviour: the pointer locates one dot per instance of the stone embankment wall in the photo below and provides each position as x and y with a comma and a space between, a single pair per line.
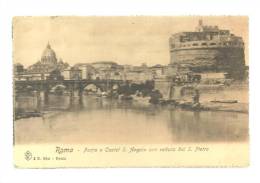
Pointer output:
238, 91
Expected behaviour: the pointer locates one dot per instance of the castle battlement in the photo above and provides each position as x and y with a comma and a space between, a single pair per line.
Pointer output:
208, 48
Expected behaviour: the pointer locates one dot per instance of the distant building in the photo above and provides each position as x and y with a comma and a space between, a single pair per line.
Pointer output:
105, 65
88, 71
18, 68
214, 77
30, 76
48, 67
21, 74
159, 71
73, 73
66, 74
107, 70
127, 68
138, 74
48, 62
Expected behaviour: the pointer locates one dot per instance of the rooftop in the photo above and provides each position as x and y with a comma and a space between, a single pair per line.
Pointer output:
105, 62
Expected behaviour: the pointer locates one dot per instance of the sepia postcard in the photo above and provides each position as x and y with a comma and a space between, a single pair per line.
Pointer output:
130, 91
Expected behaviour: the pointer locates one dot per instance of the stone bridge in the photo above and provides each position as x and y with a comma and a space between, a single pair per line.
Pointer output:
171, 90
43, 87
46, 85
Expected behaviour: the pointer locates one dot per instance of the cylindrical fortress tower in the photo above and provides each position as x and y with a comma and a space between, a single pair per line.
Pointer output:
208, 49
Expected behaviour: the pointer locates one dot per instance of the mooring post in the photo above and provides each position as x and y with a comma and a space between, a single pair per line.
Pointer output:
38, 99
46, 96
71, 95
80, 94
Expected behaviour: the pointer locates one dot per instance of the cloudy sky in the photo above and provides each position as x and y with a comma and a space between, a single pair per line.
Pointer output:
125, 40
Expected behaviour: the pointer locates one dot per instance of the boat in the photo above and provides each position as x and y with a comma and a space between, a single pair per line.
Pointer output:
225, 101
142, 100
104, 94
125, 97
167, 102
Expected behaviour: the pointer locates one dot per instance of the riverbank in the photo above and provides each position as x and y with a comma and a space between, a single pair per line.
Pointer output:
207, 106
22, 115
214, 97
235, 92
227, 107
208, 94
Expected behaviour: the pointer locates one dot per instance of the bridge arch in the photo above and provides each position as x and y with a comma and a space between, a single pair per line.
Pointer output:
58, 89
28, 88
93, 87
115, 86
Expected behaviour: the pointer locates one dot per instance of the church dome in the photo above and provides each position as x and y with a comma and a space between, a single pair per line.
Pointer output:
48, 56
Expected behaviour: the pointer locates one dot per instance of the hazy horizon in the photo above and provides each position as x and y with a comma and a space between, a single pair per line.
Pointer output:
129, 40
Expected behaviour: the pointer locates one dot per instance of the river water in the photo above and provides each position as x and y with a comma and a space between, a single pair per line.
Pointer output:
102, 121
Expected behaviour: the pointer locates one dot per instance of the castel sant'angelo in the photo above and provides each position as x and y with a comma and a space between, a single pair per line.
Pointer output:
208, 48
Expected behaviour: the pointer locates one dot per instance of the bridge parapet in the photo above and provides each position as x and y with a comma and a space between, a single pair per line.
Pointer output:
69, 84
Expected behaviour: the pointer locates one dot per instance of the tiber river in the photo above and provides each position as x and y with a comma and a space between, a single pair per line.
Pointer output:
101, 120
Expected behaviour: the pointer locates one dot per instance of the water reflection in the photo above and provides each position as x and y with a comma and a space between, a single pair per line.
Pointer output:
208, 126
99, 120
